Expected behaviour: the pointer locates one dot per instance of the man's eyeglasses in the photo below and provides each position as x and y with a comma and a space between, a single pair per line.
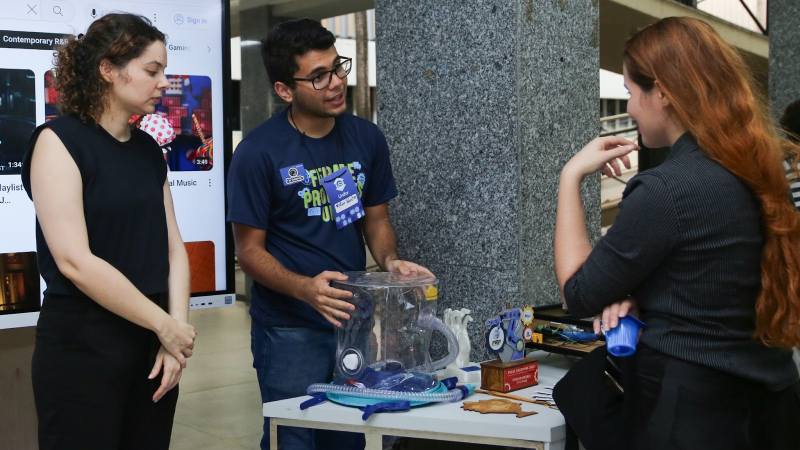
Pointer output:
323, 79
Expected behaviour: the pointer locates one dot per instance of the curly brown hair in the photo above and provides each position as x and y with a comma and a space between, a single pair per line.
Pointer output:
116, 38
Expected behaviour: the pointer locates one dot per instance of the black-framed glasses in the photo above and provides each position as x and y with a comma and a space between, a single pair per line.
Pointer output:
323, 79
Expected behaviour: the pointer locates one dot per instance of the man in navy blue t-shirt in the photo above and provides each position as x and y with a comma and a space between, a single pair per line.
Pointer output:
285, 226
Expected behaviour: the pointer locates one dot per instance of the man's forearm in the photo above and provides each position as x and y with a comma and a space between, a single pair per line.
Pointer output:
262, 267
382, 242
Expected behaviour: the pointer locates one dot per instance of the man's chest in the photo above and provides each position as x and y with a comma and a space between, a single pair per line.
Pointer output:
298, 193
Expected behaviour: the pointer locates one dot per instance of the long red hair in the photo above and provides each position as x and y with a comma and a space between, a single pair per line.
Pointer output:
711, 92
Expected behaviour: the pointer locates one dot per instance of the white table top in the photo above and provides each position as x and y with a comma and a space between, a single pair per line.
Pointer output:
546, 426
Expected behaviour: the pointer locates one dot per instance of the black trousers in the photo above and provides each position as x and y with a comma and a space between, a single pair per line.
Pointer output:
673, 404
90, 385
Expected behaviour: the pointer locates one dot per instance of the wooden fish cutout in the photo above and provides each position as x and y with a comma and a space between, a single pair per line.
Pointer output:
497, 406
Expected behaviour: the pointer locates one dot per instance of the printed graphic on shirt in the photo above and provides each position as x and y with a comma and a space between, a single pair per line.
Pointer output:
294, 174
313, 196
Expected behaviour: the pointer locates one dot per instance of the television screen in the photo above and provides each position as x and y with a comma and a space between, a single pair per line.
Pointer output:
189, 124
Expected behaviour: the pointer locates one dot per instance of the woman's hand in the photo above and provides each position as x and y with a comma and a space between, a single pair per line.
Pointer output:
172, 372
612, 313
602, 154
177, 338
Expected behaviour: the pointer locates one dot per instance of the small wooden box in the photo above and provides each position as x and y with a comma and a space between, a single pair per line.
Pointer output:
506, 377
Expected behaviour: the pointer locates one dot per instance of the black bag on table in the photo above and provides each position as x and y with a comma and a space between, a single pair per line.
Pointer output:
590, 398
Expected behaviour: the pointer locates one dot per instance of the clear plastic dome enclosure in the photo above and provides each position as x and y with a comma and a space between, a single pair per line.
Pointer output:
382, 352
391, 326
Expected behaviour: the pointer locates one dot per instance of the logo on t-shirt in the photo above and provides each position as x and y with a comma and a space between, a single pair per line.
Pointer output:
339, 183
315, 199
293, 174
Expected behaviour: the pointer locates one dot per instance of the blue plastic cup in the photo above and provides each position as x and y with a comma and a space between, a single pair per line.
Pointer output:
621, 341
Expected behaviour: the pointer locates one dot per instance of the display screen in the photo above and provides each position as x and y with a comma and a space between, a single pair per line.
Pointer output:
192, 113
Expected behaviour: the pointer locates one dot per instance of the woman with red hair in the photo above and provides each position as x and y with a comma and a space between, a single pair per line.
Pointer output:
706, 243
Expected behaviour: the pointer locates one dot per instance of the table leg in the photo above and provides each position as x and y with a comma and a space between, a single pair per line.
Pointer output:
374, 441
273, 435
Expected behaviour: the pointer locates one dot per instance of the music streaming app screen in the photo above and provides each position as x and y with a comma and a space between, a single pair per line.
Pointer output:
186, 124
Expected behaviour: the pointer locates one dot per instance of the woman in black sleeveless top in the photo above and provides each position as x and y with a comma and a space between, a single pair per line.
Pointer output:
112, 337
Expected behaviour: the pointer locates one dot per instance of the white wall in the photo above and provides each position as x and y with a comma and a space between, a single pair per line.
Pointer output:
236, 58
734, 12
612, 85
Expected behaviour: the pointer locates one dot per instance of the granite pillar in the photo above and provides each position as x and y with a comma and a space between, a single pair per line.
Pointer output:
784, 54
482, 104
258, 98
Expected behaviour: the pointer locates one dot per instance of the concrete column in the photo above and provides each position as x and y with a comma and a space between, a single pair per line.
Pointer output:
483, 103
258, 98
784, 54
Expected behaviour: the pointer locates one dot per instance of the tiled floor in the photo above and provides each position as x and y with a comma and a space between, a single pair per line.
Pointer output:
219, 407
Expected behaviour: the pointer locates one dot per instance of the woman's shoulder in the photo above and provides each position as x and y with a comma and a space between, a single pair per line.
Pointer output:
69, 129
690, 169
67, 122
650, 180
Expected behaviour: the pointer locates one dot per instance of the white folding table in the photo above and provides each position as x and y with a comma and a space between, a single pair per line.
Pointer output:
441, 421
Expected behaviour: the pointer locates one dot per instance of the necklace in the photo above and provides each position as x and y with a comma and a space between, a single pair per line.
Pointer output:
303, 141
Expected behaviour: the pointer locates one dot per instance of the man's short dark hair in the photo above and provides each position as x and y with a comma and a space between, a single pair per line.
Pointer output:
790, 121
287, 41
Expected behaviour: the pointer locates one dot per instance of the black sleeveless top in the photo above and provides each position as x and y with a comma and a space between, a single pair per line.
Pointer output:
123, 204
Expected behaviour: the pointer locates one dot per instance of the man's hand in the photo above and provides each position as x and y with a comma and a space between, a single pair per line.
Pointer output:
318, 293
172, 372
406, 267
